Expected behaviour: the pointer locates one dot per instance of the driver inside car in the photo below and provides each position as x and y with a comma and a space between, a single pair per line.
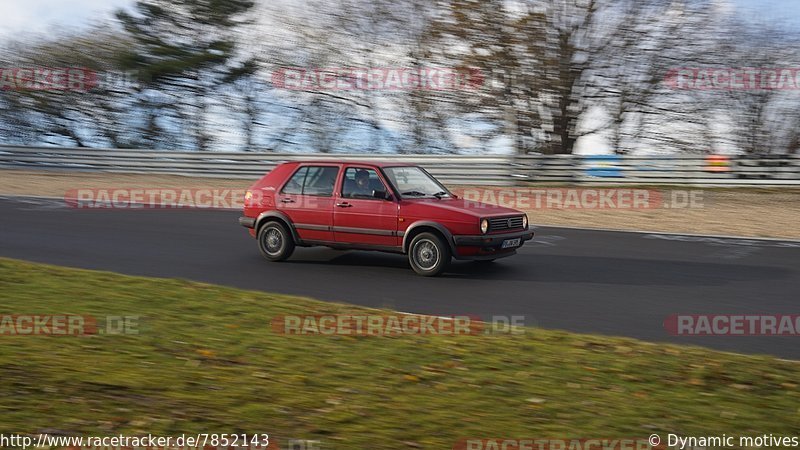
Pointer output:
363, 188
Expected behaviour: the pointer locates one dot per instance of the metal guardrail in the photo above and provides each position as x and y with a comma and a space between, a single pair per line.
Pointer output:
461, 169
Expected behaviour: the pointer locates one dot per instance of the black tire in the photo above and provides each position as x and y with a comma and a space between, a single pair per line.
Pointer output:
275, 242
428, 254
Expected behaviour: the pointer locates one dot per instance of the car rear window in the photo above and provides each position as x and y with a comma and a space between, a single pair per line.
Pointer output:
320, 180
312, 180
295, 184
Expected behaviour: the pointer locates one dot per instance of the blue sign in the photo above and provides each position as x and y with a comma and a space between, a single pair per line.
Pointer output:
603, 166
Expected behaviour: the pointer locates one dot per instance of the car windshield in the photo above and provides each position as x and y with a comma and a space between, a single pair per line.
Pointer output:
413, 182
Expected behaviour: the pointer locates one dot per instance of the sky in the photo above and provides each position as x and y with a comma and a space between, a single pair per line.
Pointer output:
26, 19
779, 11
18, 17
38, 17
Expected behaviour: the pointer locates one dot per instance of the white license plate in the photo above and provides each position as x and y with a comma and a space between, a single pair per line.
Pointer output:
509, 243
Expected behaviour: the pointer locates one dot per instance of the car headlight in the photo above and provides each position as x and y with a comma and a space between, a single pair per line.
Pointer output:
525, 221
484, 225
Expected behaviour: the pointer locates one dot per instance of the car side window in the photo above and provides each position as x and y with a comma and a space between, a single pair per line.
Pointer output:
295, 184
361, 183
312, 180
320, 180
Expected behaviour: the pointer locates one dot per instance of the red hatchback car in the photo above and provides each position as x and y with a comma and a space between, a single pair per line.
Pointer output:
376, 206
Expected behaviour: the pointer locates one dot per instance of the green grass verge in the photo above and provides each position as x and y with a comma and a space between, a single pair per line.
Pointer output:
206, 360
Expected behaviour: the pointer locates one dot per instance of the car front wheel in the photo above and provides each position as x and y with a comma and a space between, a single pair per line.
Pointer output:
275, 242
428, 254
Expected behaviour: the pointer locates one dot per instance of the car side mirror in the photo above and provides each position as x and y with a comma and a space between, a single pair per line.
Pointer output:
383, 195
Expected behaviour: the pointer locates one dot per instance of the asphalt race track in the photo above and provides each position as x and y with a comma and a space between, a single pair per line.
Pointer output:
612, 283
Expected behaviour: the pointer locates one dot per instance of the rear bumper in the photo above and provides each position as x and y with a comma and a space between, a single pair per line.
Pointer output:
247, 222
488, 246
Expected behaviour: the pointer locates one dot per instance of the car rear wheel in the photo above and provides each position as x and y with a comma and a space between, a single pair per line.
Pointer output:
428, 254
275, 242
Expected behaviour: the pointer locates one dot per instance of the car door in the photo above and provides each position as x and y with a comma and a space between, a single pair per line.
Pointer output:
307, 199
358, 216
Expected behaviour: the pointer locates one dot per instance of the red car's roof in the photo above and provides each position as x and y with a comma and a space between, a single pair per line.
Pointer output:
345, 161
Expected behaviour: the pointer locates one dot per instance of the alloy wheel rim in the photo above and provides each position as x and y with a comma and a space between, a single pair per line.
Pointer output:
273, 241
426, 254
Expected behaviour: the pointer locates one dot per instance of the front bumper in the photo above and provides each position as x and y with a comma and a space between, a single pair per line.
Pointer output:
247, 222
488, 246
491, 240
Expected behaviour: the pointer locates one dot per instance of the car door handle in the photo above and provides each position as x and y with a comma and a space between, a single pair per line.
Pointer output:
287, 200
344, 205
